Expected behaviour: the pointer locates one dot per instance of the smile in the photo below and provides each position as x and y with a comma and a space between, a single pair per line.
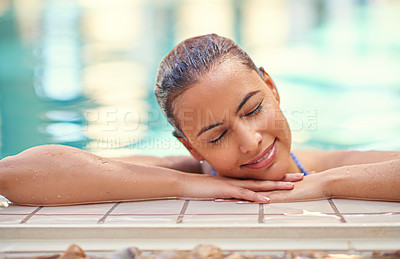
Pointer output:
264, 159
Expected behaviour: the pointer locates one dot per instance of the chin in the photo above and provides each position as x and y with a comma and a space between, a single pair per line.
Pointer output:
273, 177
277, 171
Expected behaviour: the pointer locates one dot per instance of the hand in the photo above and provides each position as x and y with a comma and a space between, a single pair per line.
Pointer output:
312, 187
206, 186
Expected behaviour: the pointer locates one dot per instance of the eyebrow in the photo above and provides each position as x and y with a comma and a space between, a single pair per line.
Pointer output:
209, 127
245, 99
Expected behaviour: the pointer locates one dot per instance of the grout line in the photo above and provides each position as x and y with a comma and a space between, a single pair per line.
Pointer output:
208, 214
351, 245
69, 214
372, 213
30, 215
219, 214
260, 213
337, 212
103, 219
182, 213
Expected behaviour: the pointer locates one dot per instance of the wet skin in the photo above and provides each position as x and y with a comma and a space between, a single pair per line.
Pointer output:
247, 124
231, 118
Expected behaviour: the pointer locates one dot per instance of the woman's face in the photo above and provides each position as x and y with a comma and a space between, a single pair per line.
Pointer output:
231, 118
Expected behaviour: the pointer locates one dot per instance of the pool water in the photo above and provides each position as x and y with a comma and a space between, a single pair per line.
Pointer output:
81, 73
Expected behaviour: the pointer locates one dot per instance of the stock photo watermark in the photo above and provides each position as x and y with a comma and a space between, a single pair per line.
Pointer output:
114, 126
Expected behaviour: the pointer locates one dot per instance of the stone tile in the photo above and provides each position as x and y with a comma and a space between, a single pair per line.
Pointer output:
322, 206
220, 220
301, 219
15, 209
142, 219
100, 209
211, 207
63, 219
359, 206
11, 219
373, 218
377, 244
149, 207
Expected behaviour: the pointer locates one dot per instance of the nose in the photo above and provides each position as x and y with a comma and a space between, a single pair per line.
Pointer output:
249, 138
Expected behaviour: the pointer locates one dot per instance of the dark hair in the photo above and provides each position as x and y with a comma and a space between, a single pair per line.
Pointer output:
188, 61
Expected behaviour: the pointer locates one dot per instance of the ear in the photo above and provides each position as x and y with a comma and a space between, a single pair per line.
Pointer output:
191, 149
270, 83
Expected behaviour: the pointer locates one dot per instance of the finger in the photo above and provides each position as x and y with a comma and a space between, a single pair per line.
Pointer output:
258, 186
244, 202
233, 200
293, 177
280, 197
290, 196
286, 196
248, 195
195, 198
225, 200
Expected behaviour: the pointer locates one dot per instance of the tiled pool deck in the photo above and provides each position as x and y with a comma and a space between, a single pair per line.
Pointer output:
334, 225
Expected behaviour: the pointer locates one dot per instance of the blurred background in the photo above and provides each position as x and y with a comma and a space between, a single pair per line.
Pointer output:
81, 73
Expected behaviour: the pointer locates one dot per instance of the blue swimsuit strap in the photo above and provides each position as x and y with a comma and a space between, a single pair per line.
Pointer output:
296, 160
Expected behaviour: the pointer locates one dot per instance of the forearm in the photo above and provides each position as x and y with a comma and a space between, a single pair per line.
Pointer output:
180, 163
378, 181
60, 175
55, 175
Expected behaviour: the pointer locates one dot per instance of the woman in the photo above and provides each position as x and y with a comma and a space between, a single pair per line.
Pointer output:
226, 112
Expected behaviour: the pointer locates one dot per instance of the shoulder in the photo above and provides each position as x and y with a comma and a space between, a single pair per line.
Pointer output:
312, 160
320, 160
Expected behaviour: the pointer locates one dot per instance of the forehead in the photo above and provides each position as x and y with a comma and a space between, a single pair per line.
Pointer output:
215, 95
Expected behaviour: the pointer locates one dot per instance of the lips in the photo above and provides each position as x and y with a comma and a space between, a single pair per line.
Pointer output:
263, 159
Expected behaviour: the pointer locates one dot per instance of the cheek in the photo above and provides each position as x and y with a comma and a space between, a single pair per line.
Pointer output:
273, 121
223, 160
280, 167
276, 121
268, 120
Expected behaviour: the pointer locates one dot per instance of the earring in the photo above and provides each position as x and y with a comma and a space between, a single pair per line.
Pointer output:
261, 72
202, 166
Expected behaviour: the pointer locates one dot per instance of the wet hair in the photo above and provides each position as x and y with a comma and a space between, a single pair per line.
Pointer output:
187, 63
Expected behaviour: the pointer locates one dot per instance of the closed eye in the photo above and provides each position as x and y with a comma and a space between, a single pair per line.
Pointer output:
255, 111
215, 141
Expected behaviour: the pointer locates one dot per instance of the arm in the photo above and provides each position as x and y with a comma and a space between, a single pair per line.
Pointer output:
321, 160
180, 163
377, 181
60, 175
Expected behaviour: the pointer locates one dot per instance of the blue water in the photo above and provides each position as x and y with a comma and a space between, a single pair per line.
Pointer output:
82, 73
